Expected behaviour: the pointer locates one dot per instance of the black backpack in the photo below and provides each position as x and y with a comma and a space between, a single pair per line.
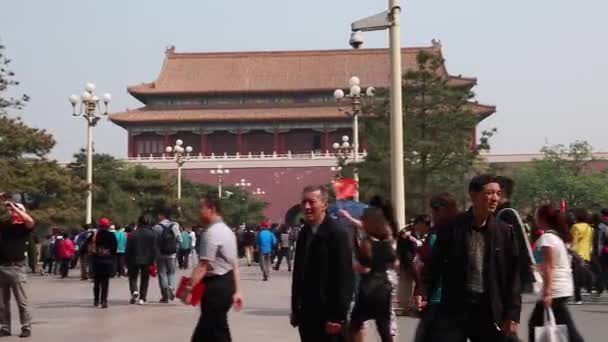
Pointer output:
167, 241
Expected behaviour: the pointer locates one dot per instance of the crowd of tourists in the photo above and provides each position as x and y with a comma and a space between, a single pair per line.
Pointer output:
461, 272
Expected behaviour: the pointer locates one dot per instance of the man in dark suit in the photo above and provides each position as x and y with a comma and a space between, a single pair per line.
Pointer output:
322, 285
476, 263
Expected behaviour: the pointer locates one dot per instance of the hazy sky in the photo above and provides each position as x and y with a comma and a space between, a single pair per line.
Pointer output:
542, 63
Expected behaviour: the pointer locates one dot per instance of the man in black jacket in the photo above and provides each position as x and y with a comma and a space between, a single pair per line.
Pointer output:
322, 285
142, 250
476, 263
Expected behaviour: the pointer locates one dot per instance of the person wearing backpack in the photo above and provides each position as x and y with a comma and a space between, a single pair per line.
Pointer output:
168, 239
185, 247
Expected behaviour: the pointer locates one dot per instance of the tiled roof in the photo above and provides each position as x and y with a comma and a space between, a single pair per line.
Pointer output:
228, 114
184, 73
147, 115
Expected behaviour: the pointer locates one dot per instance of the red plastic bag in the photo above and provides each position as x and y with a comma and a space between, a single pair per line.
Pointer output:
152, 270
196, 293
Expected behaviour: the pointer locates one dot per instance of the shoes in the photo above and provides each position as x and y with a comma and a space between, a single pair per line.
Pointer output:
25, 332
96, 304
4, 332
580, 302
104, 305
171, 294
141, 302
163, 300
134, 297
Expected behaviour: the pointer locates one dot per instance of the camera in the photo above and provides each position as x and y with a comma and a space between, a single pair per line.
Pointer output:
356, 39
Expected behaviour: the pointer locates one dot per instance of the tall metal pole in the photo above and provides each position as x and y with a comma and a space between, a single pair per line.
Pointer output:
356, 150
219, 186
396, 112
179, 181
89, 167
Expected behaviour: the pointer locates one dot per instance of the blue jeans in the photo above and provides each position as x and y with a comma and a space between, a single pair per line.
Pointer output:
166, 272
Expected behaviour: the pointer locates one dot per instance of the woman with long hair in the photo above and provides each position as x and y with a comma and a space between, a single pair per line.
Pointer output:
556, 271
377, 255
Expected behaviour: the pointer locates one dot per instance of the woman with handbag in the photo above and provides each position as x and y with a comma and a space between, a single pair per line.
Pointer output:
556, 271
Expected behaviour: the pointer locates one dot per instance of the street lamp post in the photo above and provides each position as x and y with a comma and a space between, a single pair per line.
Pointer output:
91, 110
390, 20
220, 172
342, 153
356, 102
181, 155
259, 192
243, 183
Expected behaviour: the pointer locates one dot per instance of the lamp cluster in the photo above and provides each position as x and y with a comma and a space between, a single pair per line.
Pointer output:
89, 104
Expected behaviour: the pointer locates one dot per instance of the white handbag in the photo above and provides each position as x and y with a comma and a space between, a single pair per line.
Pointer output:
550, 331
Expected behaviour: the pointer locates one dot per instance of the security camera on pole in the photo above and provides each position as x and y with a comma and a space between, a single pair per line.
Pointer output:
90, 109
356, 101
181, 155
389, 19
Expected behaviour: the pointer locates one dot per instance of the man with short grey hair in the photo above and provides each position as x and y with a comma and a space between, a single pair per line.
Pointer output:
322, 285
13, 241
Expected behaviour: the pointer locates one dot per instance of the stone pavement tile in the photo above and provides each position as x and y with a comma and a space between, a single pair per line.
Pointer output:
63, 311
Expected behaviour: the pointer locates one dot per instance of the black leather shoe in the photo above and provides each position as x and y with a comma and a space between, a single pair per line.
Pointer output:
25, 332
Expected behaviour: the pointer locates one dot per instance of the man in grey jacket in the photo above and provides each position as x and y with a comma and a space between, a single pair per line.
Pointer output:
168, 239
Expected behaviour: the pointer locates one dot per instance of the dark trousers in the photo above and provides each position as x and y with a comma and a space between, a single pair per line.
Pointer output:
284, 252
100, 288
65, 267
47, 266
602, 277
183, 256
312, 329
119, 264
425, 326
473, 322
143, 273
562, 316
213, 323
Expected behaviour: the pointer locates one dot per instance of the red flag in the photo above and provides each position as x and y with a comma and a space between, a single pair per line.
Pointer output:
345, 188
562, 205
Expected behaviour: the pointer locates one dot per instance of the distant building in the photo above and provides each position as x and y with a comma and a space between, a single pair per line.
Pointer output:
265, 115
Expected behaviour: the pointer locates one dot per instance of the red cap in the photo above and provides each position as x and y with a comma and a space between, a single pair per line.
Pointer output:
265, 224
104, 222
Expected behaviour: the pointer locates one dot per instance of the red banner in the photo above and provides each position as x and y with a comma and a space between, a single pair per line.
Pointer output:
345, 188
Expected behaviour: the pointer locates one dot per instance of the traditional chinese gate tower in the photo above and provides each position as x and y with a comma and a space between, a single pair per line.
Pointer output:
268, 116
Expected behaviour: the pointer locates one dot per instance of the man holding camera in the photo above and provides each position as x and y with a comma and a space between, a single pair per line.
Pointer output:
13, 242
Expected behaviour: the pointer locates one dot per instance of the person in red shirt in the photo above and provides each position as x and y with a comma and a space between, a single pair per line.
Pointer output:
65, 251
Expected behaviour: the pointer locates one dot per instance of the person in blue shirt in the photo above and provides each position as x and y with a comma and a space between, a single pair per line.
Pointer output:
266, 242
121, 239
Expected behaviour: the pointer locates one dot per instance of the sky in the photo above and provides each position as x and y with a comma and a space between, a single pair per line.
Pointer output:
543, 63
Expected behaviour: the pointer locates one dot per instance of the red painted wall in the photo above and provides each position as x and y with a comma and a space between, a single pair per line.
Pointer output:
283, 186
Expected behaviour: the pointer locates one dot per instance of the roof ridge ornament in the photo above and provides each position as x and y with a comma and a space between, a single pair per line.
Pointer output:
436, 43
170, 50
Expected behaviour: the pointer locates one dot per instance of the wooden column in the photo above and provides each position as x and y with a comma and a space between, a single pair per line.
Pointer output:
326, 143
275, 141
203, 143
131, 146
239, 141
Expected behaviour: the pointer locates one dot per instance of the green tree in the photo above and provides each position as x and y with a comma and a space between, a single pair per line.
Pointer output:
563, 172
46, 188
122, 192
438, 150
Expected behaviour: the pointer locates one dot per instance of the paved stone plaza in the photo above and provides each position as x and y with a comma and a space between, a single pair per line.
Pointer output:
63, 311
